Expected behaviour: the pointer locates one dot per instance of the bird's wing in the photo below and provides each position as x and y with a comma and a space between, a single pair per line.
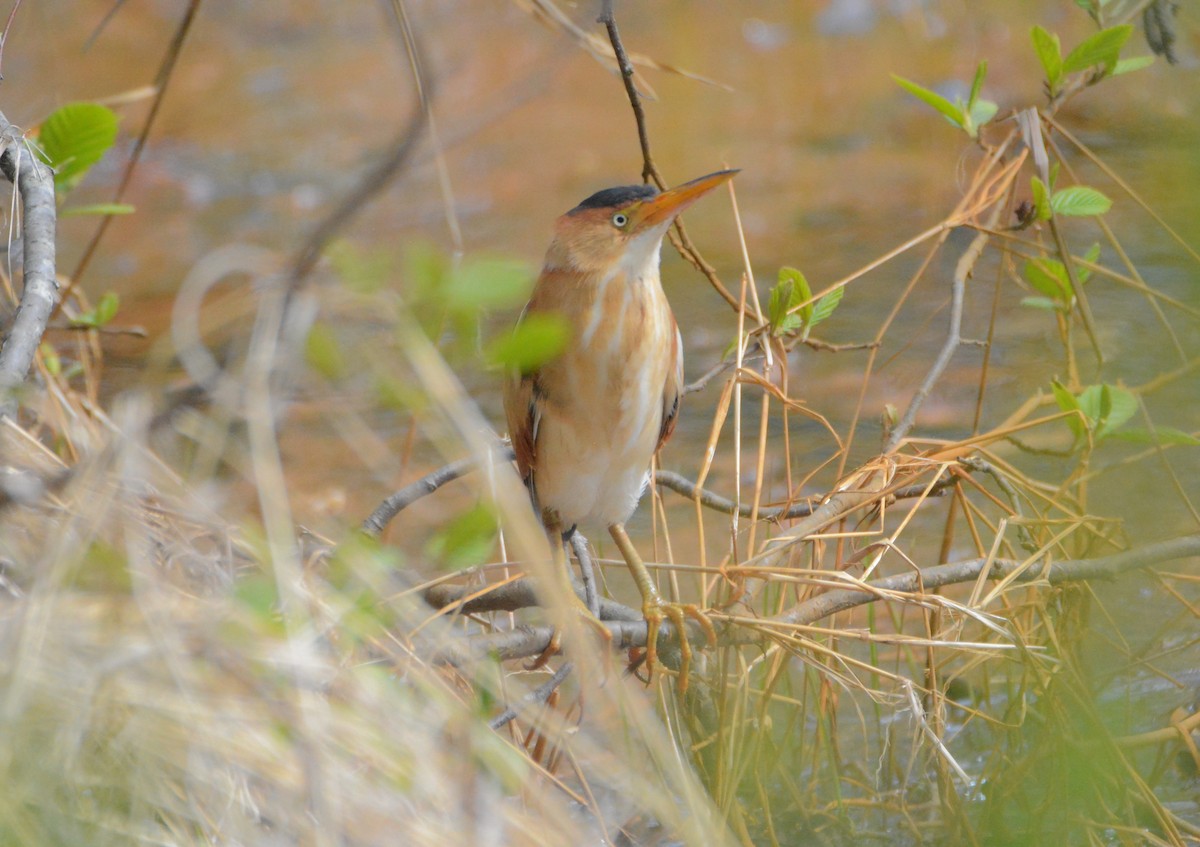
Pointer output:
672, 391
522, 410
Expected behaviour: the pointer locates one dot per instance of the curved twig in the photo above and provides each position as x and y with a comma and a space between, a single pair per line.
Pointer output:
34, 181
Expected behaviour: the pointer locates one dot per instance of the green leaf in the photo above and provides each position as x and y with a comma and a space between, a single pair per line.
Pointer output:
488, 284
323, 353
1049, 53
74, 138
1102, 48
791, 290
1107, 408
98, 209
977, 85
1078, 201
981, 112
1050, 278
1041, 198
103, 312
1134, 63
537, 339
1164, 435
1090, 7
1084, 274
50, 358
467, 540
952, 113
107, 308
825, 306
1067, 402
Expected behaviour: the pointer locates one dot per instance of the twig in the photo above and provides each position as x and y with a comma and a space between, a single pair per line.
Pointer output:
424, 486
377, 178
4, 36
536, 697
650, 173
962, 270
34, 182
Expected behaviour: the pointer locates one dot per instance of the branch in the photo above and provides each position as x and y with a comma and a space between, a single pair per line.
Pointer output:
523, 642
927, 579
536, 697
512, 596
424, 486
34, 181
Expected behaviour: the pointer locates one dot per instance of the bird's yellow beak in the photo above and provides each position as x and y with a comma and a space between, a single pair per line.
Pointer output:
671, 202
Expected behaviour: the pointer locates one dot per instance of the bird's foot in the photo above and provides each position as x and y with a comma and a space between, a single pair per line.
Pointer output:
656, 610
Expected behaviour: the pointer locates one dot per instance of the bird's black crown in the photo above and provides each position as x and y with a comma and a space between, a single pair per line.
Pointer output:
618, 196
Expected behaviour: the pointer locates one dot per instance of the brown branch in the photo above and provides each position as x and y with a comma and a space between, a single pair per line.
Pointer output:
34, 182
511, 597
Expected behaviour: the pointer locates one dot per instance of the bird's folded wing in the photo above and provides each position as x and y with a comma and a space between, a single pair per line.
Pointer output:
672, 391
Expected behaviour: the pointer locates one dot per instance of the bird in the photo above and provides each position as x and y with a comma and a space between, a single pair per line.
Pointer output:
585, 425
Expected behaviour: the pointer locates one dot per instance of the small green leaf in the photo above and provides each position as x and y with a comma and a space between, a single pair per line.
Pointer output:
1134, 63
1067, 402
98, 209
1041, 198
1102, 48
103, 312
1044, 303
1164, 435
977, 85
791, 290
1049, 53
1090, 7
981, 112
1107, 408
952, 113
826, 305
107, 308
467, 540
323, 353
50, 358
1078, 201
1050, 278
537, 339
1091, 256
74, 138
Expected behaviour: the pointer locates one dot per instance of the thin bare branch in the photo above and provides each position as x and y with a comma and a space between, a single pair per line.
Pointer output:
34, 182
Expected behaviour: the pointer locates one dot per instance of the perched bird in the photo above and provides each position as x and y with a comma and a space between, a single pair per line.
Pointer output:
585, 425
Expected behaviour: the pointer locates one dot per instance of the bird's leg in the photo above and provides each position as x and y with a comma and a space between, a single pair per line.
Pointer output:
654, 609
562, 571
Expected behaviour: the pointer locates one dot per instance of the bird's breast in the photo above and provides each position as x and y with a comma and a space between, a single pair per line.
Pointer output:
604, 401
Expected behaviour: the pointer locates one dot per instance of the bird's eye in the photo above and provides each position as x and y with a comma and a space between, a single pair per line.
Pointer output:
620, 219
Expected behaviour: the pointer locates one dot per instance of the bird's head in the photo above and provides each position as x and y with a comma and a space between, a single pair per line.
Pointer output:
623, 226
